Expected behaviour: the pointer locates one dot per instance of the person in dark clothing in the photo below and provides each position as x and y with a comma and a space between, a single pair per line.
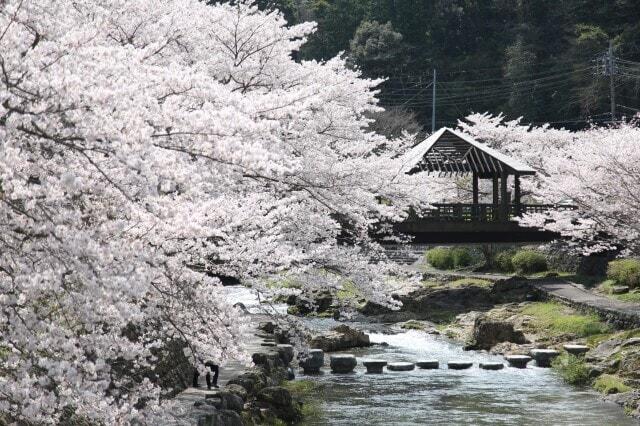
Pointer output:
216, 370
211, 368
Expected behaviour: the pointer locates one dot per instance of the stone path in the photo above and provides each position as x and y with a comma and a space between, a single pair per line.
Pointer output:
187, 412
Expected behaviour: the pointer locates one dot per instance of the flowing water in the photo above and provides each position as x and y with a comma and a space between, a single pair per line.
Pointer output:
532, 396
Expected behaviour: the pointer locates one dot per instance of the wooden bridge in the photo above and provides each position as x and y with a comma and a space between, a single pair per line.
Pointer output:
451, 153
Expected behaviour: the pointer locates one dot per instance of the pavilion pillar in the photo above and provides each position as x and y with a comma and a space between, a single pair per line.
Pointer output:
496, 198
476, 189
517, 194
504, 199
475, 208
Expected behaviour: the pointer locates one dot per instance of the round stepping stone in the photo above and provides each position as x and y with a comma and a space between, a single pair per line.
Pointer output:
401, 366
576, 349
286, 353
374, 366
518, 361
343, 364
491, 365
313, 363
544, 357
459, 365
431, 364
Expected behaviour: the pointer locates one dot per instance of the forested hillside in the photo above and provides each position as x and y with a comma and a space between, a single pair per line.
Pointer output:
540, 59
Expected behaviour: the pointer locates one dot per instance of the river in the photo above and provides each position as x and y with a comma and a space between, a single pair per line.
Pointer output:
448, 397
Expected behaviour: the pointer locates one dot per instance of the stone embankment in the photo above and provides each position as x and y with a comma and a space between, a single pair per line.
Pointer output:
248, 395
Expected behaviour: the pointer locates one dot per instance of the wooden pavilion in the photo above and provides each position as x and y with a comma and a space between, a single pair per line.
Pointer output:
451, 153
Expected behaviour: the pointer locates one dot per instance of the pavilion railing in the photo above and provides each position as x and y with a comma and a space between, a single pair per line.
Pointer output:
480, 212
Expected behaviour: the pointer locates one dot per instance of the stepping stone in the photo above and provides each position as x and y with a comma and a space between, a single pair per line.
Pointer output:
459, 365
431, 364
576, 349
374, 366
401, 366
619, 289
343, 364
518, 361
544, 357
491, 365
286, 353
314, 362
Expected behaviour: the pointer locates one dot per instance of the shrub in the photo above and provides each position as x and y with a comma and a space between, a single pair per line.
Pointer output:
529, 262
445, 258
608, 384
625, 272
461, 257
440, 258
504, 261
572, 369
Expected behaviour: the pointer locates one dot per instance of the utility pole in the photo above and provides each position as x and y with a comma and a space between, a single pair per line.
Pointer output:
612, 88
433, 104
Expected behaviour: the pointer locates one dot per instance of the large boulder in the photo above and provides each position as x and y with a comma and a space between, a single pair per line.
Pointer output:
251, 381
317, 301
280, 402
340, 338
488, 332
224, 400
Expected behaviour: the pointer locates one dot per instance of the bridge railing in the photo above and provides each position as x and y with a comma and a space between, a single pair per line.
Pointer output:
480, 212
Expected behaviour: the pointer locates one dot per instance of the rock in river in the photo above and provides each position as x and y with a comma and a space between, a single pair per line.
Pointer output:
340, 338
459, 365
401, 366
518, 361
343, 364
431, 364
374, 366
313, 362
544, 357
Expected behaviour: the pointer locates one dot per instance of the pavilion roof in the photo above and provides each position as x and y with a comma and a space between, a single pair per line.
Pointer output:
450, 151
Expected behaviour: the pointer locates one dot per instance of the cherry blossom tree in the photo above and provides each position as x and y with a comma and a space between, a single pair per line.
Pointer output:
147, 148
597, 170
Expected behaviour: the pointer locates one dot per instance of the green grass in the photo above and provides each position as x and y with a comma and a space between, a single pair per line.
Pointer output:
607, 288
465, 282
609, 384
413, 325
628, 297
596, 339
431, 284
283, 282
558, 319
572, 369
